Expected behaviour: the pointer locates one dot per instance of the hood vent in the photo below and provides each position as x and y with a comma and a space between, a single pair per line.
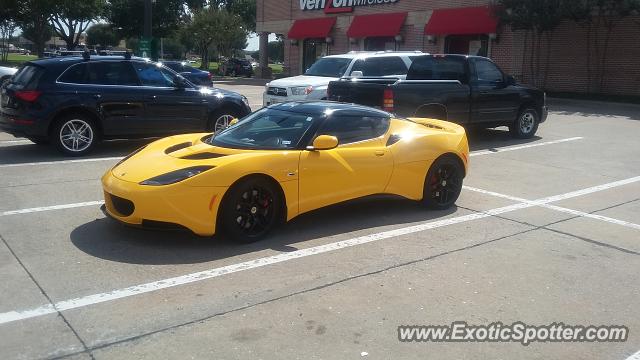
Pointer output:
177, 147
202, 156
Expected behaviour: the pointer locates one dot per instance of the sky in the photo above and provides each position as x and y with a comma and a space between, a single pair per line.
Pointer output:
254, 42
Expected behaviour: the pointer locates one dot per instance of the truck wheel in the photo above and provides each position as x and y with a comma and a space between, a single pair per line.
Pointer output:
526, 124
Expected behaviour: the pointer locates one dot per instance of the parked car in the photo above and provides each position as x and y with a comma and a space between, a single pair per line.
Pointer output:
282, 161
6, 73
196, 76
237, 67
74, 102
468, 90
313, 84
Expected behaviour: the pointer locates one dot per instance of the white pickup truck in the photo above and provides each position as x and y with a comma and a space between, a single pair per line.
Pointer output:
313, 84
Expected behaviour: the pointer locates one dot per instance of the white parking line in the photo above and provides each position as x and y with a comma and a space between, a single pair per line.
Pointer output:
50, 208
11, 142
521, 147
635, 356
61, 162
557, 208
282, 257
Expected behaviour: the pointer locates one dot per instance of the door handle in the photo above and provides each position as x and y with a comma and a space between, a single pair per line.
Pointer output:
379, 153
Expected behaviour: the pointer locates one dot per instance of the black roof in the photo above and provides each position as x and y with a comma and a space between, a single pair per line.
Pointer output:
317, 108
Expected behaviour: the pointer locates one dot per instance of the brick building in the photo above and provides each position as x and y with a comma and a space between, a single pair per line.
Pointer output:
314, 28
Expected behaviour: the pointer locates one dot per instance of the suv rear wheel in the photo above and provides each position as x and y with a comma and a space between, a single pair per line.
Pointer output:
75, 135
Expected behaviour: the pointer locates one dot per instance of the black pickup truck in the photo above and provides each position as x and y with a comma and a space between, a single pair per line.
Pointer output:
469, 90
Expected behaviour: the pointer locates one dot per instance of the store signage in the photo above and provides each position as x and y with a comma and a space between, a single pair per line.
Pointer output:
339, 6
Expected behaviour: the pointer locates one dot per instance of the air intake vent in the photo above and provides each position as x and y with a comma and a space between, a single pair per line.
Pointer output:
177, 147
202, 156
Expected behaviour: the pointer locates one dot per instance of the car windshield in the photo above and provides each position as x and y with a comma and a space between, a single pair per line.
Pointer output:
329, 67
266, 129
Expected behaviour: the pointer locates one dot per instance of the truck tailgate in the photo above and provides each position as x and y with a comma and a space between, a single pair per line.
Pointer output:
366, 92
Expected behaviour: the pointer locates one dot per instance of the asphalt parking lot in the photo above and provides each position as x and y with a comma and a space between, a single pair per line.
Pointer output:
546, 230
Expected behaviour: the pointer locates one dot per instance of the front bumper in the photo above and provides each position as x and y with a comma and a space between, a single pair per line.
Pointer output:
194, 208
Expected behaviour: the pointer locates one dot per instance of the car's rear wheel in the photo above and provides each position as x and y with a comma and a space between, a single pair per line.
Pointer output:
250, 210
526, 124
443, 183
221, 119
75, 135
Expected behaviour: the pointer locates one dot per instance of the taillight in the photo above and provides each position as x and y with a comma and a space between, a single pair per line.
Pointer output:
28, 95
387, 100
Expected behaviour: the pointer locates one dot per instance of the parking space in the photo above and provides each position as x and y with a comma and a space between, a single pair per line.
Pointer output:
546, 230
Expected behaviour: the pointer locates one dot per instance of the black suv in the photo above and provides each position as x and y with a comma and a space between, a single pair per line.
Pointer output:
74, 102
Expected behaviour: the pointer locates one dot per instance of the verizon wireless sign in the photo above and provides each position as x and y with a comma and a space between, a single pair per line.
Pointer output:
338, 6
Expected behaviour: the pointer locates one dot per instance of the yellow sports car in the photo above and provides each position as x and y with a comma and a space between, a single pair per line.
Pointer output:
282, 161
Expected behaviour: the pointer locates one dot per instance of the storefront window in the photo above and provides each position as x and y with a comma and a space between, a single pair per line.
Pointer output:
467, 45
312, 49
379, 43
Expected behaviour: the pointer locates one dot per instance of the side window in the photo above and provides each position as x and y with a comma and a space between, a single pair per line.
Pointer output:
350, 129
111, 73
76, 74
380, 66
153, 75
487, 71
438, 68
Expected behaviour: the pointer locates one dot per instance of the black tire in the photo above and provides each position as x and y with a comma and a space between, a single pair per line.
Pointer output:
39, 141
219, 120
250, 210
443, 183
80, 131
526, 125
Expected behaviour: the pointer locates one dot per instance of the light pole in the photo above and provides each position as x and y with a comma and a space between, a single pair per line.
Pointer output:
147, 18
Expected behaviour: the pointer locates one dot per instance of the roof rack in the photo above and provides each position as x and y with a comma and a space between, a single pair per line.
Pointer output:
86, 55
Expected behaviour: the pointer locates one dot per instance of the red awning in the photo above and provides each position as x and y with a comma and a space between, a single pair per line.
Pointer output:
311, 28
376, 25
462, 21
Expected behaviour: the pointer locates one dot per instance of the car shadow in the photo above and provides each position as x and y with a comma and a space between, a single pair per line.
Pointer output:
494, 138
595, 108
106, 239
29, 152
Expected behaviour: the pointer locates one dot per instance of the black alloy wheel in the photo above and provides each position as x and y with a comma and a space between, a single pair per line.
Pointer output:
250, 210
443, 183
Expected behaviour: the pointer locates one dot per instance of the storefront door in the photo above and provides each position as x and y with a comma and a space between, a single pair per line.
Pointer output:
312, 49
379, 43
467, 45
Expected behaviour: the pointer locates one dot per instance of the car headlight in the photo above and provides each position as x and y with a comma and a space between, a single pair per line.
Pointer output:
176, 176
301, 90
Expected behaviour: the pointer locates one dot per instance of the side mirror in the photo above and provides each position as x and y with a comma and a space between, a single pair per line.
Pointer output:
510, 80
324, 142
357, 74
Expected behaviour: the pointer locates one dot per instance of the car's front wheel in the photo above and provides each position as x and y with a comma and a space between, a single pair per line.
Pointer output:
526, 124
250, 210
443, 183
75, 135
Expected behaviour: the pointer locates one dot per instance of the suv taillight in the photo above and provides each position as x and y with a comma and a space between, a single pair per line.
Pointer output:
387, 100
28, 95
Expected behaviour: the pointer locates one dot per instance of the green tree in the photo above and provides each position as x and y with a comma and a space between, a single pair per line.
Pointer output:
102, 35
72, 18
539, 20
8, 17
212, 26
127, 15
33, 18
